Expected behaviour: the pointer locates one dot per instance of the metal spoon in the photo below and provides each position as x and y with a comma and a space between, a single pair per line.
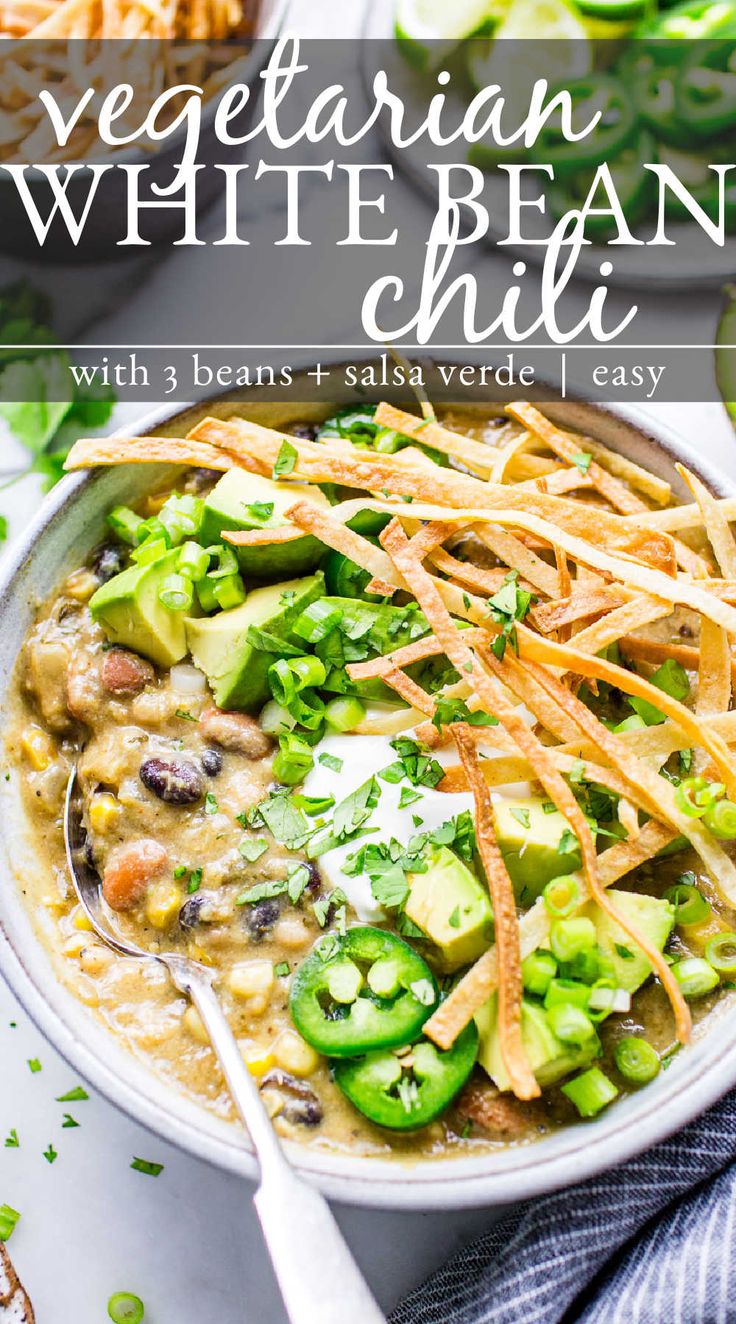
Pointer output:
319, 1279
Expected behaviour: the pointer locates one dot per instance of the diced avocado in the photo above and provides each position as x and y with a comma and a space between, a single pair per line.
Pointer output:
548, 1057
654, 919
128, 609
370, 628
227, 507
530, 841
452, 908
238, 672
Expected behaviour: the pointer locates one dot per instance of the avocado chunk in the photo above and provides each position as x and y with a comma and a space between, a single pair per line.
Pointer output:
230, 505
370, 628
236, 670
548, 1057
530, 841
451, 907
654, 919
128, 609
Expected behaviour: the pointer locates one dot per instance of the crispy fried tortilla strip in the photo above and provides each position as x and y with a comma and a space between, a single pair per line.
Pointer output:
263, 537
505, 921
620, 497
557, 483
638, 576
715, 523
474, 455
464, 572
314, 519
656, 489
390, 723
480, 982
578, 606
15, 1303
321, 463
93, 451
630, 616
714, 671
505, 770
677, 518
651, 650
509, 549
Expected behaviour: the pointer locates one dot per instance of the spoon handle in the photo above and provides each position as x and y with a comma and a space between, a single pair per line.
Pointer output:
318, 1277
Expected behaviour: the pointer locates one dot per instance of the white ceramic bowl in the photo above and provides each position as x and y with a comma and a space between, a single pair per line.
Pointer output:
68, 524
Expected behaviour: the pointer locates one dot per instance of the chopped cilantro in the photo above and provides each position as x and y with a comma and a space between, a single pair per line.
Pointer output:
252, 848
259, 510
146, 1167
449, 710
686, 761
34, 1064
262, 892
50, 1154
582, 461
417, 820
549, 807
282, 969
454, 920
284, 820
330, 761
11, 1140
68, 1122
625, 953
577, 772
522, 816
185, 716
77, 1095
210, 803
195, 878
568, 841
297, 880
180, 871
324, 904
408, 797
285, 460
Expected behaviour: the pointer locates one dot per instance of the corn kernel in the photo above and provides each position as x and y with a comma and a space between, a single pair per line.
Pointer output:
192, 1022
37, 747
251, 979
103, 812
81, 585
94, 959
74, 945
163, 904
80, 920
258, 1060
293, 1054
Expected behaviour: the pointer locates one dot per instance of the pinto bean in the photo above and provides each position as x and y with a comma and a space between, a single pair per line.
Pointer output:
501, 1115
124, 672
129, 871
235, 731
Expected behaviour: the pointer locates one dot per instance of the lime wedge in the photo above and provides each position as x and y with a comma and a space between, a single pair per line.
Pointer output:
428, 30
517, 67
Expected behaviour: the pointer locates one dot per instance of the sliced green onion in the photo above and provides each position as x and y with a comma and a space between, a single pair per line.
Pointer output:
151, 528
176, 593
690, 905
193, 561
695, 795
289, 676
606, 997
293, 761
569, 992
275, 720
720, 819
387, 441
561, 896
8, 1219
316, 621
584, 966
636, 1059
590, 1092
695, 976
344, 713
226, 558
570, 1024
308, 671
229, 591
181, 517
149, 551
125, 524
125, 1308
206, 594
720, 952
633, 723
569, 937
538, 969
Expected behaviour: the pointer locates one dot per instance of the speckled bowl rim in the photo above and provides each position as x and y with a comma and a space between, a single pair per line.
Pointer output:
696, 1078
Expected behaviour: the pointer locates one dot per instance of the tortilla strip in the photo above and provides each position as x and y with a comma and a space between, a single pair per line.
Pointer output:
656, 489
475, 987
651, 650
563, 480
314, 519
410, 691
428, 646
714, 671
715, 523
15, 1303
321, 463
648, 787
638, 576
281, 533
388, 724
473, 454
506, 769
563, 446
631, 616
505, 921
380, 588
509, 549
93, 451
676, 518
577, 606
483, 581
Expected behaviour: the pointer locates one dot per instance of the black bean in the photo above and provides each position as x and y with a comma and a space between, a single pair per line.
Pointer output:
299, 1103
261, 917
315, 877
196, 910
307, 431
212, 762
108, 562
176, 781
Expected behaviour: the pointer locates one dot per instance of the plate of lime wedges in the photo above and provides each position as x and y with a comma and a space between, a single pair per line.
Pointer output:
663, 80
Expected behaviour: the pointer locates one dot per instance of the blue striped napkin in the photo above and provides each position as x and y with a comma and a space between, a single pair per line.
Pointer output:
650, 1242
